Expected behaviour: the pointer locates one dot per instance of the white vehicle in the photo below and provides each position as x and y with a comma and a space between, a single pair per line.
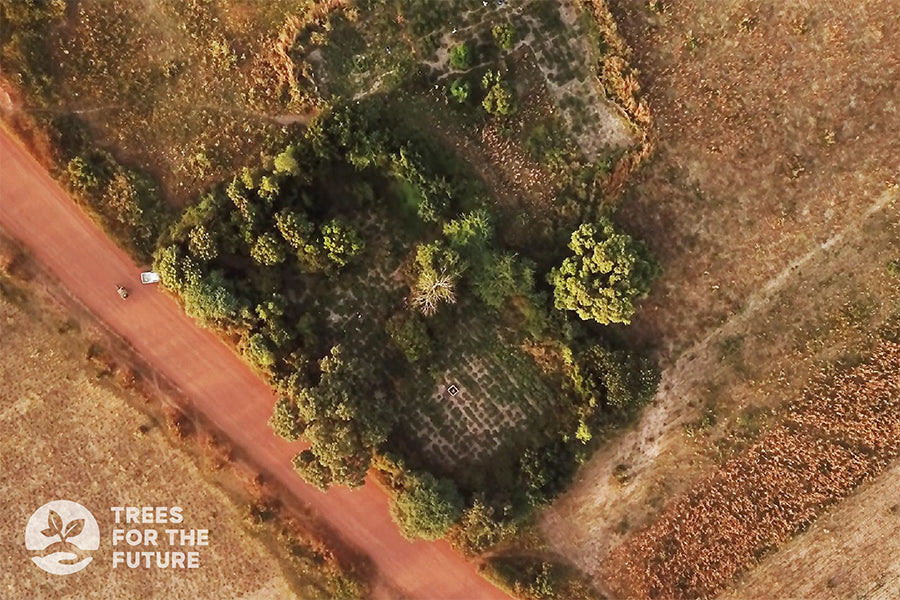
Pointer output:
149, 277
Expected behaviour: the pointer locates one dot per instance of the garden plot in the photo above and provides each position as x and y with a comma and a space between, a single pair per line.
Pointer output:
565, 60
552, 37
354, 61
359, 305
499, 395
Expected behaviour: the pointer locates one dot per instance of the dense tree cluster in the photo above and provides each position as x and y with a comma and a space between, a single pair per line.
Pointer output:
253, 257
344, 417
229, 256
467, 248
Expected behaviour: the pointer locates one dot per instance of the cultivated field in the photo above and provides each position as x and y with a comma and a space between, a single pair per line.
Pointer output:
772, 201
70, 431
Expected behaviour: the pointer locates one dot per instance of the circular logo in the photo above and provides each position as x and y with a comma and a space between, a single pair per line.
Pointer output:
62, 533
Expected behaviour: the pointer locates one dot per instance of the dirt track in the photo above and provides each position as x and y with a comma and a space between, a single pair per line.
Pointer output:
35, 210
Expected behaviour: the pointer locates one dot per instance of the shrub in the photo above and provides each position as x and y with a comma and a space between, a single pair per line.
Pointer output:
503, 35
533, 578
499, 99
410, 335
82, 175
426, 507
461, 57
479, 530
459, 90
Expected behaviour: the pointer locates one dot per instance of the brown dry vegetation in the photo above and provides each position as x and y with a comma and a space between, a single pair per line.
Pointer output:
853, 551
186, 90
771, 140
772, 204
71, 428
840, 434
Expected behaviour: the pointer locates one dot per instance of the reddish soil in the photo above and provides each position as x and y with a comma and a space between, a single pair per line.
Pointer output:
36, 211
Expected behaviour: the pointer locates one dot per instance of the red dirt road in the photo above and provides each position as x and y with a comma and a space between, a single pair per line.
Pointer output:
36, 211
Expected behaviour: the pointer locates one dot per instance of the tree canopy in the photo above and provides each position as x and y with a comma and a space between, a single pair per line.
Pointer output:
503, 35
343, 419
427, 507
499, 99
461, 56
607, 274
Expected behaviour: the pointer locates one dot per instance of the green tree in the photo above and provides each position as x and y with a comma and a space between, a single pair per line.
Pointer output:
471, 232
82, 174
286, 163
206, 296
607, 274
258, 351
268, 188
313, 470
426, 507
498, 99
167, 262
500, 277
410, 334
341, 242
460, 90
201, 243
301, 234
479, 529
545, 471
614, 378
268, 250
461, 56
345, 418
238, 193
285, 420
503, 35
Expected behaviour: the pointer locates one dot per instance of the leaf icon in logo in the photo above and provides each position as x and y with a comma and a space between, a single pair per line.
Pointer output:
48, 532
54, 523
73, 528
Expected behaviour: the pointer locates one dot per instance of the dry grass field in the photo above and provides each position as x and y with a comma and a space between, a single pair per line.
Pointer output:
188, 91
772, 203
843, 431
853, 551
69, 431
